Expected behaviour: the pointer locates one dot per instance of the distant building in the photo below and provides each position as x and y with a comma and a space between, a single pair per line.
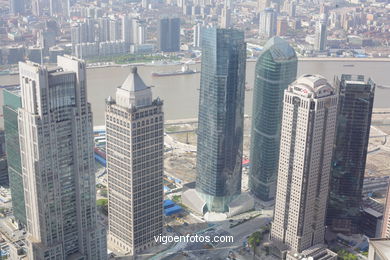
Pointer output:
225, 18
307, 136
135, 154
321, 34
169, 34
370, 223
103, 29
197, 33
17, 7
281, 26
221, 115
4, 180
35, 54
386, 216
115, 30
56, 147
276, 68
379, 249
12, 102
267, 23
356, 99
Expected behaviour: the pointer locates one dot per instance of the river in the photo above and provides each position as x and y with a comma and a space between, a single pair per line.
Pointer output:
181, 93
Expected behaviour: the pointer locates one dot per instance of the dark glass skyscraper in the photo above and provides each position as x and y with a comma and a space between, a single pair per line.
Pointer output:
169, 34
12, 102
276, 68
349, 158
221, 113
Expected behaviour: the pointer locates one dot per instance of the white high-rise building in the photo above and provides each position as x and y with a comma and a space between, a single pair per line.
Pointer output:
56, 140
307, 136
225, 18
197, 32
267, 23
127, 29
320, 34
135, 147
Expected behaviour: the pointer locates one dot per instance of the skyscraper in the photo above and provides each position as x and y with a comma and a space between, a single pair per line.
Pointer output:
17, 7
135, 149
127, 29
307, 135
276, 68
385, 232
225, 18
281, 26
197, 34
58, 166
169, 34
356, 98
12, 102
320, 34
221, 114
115, 30
267, 23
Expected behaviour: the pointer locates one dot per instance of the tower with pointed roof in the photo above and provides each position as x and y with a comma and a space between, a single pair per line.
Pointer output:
135, 145
276, 68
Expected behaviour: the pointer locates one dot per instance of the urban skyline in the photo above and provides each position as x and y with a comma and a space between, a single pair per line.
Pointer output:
194, 129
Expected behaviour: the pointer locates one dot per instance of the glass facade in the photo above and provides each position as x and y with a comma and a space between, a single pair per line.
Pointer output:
12, 101
349, 158
221, 112
275, 69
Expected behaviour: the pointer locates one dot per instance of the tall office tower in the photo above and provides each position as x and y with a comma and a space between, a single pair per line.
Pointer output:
56, 144
55, 7
65, 8
36, 7
281, 26
276, 68
135, 149
262, 5
145, 4
115, 30
267, 23
307, 136
17, 7
356, 98
104, 29
141, 39
292, 8
385, 232
135, 31
197, 33
90, 28
12, 102
221, 114
169, 34
127, 29
320, 34
225, 18
82, 32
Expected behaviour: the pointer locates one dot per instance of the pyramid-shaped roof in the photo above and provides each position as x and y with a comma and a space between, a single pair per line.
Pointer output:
133, 82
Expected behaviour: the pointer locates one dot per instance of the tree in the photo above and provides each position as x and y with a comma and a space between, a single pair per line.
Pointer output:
102, 206
254, 240
345, 255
